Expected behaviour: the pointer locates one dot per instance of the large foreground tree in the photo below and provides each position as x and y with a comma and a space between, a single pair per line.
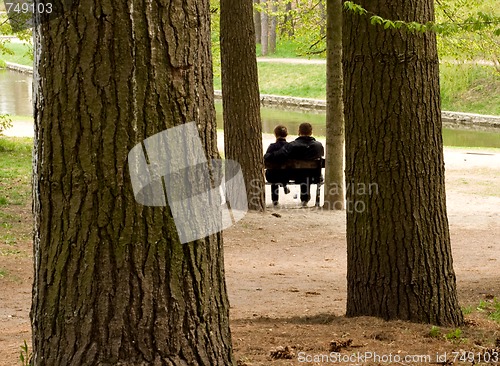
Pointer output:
398, 244
113, 284
240, 96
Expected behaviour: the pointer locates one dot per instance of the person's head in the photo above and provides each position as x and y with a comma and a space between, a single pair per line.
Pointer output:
305, 129
280, 131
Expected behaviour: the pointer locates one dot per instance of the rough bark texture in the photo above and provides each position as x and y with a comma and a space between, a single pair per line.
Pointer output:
264, 28
113, 285
334, 172
240, 97
256, 22
398, 244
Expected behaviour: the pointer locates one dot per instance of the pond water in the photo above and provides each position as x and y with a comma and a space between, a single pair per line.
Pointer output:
292, 119
16, 99
15, 93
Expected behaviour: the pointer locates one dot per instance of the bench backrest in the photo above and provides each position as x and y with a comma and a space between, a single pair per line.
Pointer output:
297, 164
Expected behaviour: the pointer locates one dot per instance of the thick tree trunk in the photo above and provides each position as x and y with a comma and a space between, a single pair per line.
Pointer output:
264, 22
334, 172
398, 245
113, 285
272, 28
256, 22
240, 97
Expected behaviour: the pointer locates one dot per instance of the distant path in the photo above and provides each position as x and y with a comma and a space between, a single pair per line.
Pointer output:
304, 61
292, 61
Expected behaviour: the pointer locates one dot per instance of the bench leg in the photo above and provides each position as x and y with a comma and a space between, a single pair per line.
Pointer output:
318, 189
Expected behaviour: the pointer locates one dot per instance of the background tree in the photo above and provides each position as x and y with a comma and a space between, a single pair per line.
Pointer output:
256, 21
273, 26
334, 172
264, 23
470, 31
288, 25
240, 97
398, 243
113, 285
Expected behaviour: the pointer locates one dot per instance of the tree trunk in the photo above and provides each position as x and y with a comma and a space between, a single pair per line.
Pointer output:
256, 22
272, 29
240, 97
398, 244
264, 22
113, 284
288, 20
334, 172
322, 17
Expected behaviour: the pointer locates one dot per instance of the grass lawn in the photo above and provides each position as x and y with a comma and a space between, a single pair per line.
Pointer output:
22, 54
470, 88
464, 87
15, 171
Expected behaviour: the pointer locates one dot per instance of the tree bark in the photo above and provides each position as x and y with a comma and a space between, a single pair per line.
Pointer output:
113, 285
257, 24
240, 97
272, 29
334, 172
398, 245
264, 22
322, 17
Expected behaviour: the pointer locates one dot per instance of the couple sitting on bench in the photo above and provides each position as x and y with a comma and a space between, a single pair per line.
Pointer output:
304, 148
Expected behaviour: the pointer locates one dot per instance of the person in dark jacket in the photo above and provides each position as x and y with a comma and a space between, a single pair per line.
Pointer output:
304, 147
277, 175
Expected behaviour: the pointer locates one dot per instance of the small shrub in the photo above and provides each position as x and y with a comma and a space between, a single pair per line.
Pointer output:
5, 123
495, 313
454, 335
468, 310
25, 355
434, 332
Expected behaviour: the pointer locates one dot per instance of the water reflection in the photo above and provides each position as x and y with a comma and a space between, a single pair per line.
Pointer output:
15, 93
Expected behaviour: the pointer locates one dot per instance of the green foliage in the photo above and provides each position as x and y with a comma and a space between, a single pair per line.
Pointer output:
19, 53
467, 310
355, 8
215, 35
495, 313
471, 30
468, 87
8, 48
434, 332
304, 24
454, 335
5, 122
492, 308
466, 28
25, 355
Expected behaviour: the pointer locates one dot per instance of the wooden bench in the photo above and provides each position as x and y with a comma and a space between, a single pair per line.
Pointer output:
301, 171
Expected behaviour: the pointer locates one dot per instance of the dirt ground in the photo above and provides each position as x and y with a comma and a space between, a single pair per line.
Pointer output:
287, 285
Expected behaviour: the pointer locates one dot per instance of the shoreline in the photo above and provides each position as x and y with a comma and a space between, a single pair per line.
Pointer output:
454, 120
